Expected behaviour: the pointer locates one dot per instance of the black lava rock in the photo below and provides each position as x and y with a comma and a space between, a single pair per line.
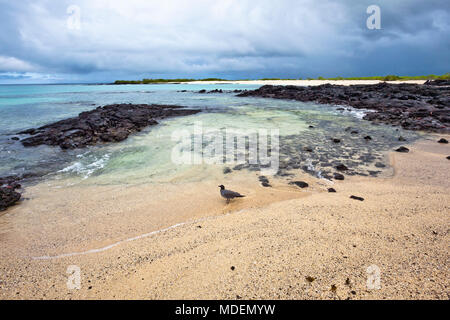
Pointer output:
335, 140
357, 198
300, 184
367, 138
331, 190
442, 140
437, 82
341, 167
411, 106
402, 149
338, 176
8, 197
112, 123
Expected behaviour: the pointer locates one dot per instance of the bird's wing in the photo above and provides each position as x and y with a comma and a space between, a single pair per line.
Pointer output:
229, 193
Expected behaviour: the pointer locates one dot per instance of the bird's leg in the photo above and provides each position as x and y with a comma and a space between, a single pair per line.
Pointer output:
228, 200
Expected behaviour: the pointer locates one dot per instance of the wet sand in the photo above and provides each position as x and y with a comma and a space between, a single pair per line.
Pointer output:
275, 238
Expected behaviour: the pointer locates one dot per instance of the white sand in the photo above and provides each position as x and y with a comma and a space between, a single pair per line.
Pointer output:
305, 82
275, 238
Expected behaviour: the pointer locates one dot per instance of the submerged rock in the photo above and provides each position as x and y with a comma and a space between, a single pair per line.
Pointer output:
380, 165
341, 167
111, 123
226, 170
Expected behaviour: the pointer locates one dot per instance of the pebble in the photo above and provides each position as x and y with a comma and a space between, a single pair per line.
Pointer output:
402, 149
357, 198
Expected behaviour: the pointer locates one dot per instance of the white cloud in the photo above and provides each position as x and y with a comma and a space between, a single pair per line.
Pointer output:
14, 64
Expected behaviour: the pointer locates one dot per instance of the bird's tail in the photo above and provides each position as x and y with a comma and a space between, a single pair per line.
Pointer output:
240, 196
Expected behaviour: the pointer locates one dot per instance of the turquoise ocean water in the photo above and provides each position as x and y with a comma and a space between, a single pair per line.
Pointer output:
146, 156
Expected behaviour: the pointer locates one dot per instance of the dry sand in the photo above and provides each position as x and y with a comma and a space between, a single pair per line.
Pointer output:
274, 238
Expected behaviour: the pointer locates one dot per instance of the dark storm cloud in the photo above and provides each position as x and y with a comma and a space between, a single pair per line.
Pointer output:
235, 39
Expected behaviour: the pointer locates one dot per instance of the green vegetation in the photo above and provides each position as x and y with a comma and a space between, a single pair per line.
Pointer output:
279, 79
153, 81
392, 77
382, 78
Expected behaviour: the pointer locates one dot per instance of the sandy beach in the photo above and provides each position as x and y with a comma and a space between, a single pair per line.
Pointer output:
277, 243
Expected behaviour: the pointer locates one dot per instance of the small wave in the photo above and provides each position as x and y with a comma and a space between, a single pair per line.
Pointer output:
86, 170
357, 113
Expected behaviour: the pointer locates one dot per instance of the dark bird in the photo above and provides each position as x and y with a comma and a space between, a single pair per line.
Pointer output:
228, 194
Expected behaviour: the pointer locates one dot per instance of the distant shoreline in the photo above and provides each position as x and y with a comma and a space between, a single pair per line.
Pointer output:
337, 80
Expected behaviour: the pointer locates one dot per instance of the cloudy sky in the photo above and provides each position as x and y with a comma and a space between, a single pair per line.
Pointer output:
103, 40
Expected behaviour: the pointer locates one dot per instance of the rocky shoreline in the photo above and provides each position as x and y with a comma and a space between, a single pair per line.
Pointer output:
411, 106
111, 123
8, 195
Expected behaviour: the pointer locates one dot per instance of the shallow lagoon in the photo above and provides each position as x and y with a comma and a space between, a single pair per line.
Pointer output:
306, 131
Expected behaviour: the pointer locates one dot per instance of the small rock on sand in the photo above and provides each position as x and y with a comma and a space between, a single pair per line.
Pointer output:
402, 149
442, 140
357, 198
338, 176
300, 184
